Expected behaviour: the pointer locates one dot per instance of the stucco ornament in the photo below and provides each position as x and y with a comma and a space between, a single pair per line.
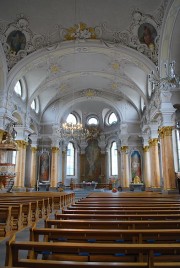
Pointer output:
80, 31
142, 34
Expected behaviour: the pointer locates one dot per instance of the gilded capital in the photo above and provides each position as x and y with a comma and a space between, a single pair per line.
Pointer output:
1, 135
146, 149
124, 149
165, 131
34, 149
161, 132
55, 149
153, 142
21, 144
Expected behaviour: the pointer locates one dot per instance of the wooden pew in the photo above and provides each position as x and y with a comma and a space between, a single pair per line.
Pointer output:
29, 212
113, 224
149, 208
77, 264
17, 218
110, 202
116, 216
56, 199
121, 211
145, 255
5, 221
30, 207
106, 235
41, 205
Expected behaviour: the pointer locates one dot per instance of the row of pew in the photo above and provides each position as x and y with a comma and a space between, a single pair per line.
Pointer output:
20, 210
104, 230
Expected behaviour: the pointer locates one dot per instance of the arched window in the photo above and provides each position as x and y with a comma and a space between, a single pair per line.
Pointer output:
92, 121
71, 119
114, 159
112, 119
70, 167
18, 88
35, 105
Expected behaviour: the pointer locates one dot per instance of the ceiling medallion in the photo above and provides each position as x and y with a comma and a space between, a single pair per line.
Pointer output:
54, 68
116, 66
90, 93
114, 86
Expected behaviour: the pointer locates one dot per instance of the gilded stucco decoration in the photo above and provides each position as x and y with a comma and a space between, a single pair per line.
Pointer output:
142, 34
80, 31
90, 93
18, 40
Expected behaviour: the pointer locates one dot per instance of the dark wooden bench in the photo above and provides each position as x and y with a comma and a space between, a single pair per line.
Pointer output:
113, 224
121, 211
5, 221
144, 255
17, 217
56, 200
121, 202
105, 235
116, 216
27, 208
152, 208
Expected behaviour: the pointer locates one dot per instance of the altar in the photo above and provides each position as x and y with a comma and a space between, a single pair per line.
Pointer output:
137, 186
89, 185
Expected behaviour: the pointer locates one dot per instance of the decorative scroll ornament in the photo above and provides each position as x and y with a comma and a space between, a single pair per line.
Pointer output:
142, 35
18, 40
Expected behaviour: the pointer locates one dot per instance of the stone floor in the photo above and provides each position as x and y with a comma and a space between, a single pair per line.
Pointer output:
24, 234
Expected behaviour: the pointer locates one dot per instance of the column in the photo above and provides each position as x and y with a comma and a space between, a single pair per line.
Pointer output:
103, 164
125, 167
82, 166
169, 181
154, 160
147, 167
54, 166
63, 166
33, 176
20, 163
33, 170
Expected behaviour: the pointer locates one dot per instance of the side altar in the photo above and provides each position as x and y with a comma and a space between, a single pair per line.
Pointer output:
137, 185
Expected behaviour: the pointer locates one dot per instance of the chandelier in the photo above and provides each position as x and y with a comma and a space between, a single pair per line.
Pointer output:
171, 80
72, 131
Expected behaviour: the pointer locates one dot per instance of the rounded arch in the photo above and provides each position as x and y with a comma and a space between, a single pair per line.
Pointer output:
67, 106
3, 69
18, 117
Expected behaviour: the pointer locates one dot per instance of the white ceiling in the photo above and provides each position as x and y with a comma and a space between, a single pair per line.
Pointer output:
88, 76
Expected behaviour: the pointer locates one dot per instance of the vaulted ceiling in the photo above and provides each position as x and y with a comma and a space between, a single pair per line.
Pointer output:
89, 55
